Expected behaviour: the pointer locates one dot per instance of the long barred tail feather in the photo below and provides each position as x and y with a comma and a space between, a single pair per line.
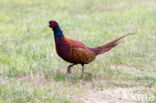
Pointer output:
108, 46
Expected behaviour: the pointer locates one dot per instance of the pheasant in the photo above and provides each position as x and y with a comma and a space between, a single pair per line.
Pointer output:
76, 52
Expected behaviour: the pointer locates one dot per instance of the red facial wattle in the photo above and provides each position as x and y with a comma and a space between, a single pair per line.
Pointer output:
52, 24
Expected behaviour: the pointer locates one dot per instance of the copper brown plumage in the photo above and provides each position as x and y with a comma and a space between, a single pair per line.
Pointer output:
76, 52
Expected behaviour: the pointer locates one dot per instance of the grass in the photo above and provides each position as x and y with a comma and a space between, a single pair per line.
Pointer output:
31, 71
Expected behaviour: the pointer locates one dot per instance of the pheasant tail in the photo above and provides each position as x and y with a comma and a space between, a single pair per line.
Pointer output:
108, 46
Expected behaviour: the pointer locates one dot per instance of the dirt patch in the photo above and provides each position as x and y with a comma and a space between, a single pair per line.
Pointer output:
39, 79
105, 96
116, 95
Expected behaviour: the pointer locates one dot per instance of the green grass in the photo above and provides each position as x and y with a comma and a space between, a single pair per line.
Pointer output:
31, 71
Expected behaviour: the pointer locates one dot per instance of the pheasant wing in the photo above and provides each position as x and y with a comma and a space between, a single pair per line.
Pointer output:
83, 55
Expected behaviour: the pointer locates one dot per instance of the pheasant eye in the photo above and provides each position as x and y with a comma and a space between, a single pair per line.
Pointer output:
53, 24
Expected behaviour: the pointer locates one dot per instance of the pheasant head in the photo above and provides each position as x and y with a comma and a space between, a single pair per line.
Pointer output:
56, 28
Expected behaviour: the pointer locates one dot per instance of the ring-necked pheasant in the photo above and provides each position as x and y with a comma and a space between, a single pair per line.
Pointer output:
76, 52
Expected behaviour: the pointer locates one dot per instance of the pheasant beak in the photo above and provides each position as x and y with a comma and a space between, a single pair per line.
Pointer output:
48, 25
